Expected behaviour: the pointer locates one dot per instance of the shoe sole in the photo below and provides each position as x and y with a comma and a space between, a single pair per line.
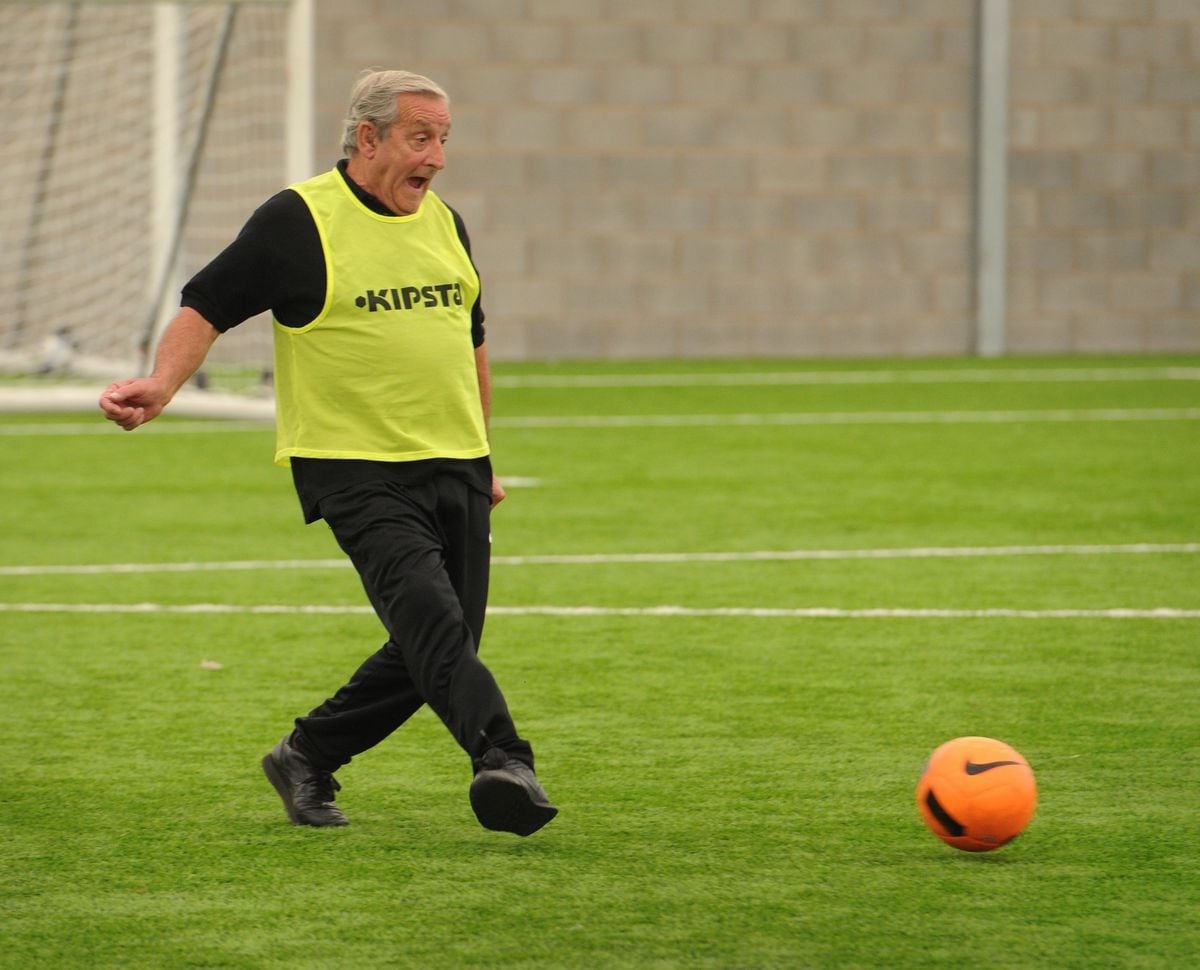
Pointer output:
506, 806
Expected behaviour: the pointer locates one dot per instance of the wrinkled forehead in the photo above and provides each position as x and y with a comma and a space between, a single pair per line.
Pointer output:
423, 111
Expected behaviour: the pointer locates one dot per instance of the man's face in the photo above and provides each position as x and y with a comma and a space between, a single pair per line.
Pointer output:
406, 161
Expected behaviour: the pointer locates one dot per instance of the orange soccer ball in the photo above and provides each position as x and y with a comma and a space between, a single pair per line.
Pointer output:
976, 794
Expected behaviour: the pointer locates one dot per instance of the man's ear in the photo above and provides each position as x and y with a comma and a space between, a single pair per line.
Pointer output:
368, 139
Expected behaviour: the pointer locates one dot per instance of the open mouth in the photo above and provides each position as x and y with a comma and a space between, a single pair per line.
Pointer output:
417, 183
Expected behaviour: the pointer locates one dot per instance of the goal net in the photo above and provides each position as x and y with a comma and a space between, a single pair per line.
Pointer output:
138, 139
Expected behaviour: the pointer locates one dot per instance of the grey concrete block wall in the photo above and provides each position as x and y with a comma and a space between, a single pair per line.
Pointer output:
772, 177
1104, 205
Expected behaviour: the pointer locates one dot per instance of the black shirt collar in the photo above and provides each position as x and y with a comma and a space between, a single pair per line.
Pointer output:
363, 196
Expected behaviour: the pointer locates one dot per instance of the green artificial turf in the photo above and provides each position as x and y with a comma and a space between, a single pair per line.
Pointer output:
736, 790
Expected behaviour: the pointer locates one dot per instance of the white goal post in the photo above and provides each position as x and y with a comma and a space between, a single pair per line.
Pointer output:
138, 139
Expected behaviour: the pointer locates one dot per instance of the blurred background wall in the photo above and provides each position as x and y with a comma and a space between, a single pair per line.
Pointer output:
641, 177
715, 177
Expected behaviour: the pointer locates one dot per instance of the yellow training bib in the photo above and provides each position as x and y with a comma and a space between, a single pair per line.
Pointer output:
387, 369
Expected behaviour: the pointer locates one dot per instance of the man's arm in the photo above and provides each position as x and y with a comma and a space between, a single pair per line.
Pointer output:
484, 373
184, 345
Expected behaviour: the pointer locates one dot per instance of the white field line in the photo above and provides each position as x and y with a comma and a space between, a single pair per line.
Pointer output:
794, 555
115, 568
981, 375
837, 613
1061, 415
820, 612
100, 426
781, 555
785, 419
83, 398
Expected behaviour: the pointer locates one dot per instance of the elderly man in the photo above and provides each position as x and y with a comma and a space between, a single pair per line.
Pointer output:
383, 396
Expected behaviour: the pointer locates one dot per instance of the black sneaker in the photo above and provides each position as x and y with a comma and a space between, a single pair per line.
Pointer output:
307, 792
506, 795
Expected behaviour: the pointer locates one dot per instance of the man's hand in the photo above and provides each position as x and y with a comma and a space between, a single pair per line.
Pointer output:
182, 350
497, 491
132, 403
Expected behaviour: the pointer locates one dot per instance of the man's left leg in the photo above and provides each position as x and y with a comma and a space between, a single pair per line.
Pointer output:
505, 793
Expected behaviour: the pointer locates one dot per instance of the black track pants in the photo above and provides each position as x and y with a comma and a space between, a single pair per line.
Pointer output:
422, 553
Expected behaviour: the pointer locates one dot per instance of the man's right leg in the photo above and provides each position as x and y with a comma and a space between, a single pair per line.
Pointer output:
372, 704
376, 700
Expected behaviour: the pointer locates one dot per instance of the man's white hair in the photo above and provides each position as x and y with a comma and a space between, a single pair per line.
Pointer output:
374, 99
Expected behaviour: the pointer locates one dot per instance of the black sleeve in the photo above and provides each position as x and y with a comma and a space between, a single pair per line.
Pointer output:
276, 263
477, 332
